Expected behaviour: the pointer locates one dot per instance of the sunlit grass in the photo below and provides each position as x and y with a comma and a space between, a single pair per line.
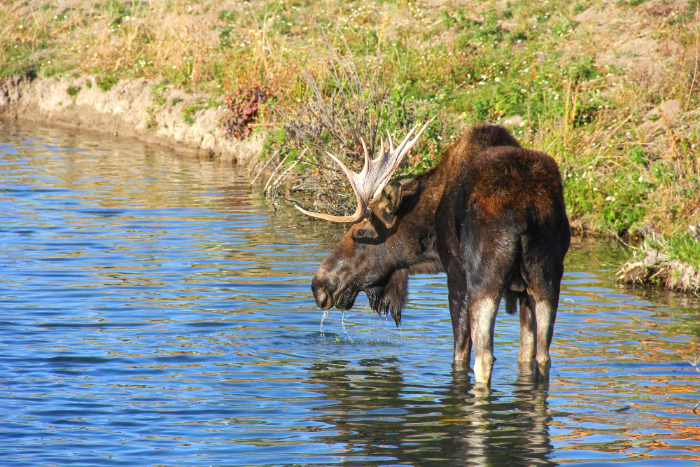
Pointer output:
684, 247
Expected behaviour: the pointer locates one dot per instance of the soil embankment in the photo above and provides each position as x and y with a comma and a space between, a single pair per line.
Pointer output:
128, 108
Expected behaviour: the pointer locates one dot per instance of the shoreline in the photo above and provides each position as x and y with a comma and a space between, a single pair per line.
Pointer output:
130, 108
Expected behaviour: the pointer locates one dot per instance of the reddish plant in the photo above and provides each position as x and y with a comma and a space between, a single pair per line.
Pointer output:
244, 108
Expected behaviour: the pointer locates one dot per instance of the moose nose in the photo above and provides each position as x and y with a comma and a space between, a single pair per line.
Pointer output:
324, 298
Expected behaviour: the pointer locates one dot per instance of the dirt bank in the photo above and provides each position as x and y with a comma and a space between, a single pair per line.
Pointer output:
651, 266
131, 107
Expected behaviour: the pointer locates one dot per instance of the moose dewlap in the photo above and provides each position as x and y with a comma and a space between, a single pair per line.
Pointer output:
490, 214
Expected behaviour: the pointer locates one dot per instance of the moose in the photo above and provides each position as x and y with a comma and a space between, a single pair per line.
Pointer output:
490, 214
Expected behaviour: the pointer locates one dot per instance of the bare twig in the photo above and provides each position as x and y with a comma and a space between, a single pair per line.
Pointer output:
263, 169
284, 174
279, 179
274, 172
347, 108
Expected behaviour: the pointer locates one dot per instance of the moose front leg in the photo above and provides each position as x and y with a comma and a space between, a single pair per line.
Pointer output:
457, 295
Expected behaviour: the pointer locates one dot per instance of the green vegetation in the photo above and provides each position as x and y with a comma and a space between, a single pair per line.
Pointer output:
106, 82
188, 113
684, 247
611, 90
73, 90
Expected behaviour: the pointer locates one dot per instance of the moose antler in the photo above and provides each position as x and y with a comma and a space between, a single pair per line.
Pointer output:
374, 176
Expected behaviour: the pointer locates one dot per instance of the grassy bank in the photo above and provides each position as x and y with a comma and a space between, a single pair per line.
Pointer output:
610, 89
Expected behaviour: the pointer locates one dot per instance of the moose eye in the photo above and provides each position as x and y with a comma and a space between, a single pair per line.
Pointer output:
363, 234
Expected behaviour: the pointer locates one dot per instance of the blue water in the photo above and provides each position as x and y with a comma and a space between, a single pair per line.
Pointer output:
154, 311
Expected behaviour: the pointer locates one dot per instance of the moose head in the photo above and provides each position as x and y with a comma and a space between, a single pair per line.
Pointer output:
373, 256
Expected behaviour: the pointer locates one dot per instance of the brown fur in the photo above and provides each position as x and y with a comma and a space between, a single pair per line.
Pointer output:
503, 178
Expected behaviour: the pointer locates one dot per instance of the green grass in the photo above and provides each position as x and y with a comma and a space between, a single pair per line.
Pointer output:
105, 82
73, 90
17, 59
55, 66
683, 246
188, 113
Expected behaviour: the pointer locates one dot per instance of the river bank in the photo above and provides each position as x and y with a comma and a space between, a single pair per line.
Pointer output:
128, 108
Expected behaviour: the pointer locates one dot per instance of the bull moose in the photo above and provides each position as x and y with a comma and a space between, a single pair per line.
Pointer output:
490, 214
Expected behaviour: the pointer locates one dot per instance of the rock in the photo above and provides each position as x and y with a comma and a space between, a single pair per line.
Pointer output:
633, 273
657, 267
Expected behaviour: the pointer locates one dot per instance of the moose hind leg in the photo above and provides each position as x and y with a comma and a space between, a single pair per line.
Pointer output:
545, 314
482, 312
527, 332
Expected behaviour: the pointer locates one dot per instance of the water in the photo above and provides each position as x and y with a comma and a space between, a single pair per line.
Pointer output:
154, 312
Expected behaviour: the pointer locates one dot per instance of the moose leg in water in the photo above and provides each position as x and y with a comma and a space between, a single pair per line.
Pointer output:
527, 333
461, 326
450, 254
490, 252
543, 267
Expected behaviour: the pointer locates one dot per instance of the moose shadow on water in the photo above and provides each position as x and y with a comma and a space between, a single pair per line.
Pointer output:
378, 417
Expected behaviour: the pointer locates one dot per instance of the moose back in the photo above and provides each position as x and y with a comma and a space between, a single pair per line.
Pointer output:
490, 214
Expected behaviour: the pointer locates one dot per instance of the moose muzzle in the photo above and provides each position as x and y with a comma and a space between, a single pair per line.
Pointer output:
328, 292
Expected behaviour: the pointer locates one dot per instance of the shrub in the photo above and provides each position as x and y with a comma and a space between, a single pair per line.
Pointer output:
244, 109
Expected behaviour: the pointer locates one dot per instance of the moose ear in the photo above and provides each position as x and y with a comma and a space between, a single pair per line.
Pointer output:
392, 195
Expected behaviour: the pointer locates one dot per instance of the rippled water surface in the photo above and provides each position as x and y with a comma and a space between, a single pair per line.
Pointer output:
155, 312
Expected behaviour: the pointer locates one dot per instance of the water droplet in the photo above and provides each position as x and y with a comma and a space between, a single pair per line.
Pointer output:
323, 318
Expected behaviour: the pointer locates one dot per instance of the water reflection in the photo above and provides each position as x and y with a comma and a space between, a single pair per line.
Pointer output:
377, 417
